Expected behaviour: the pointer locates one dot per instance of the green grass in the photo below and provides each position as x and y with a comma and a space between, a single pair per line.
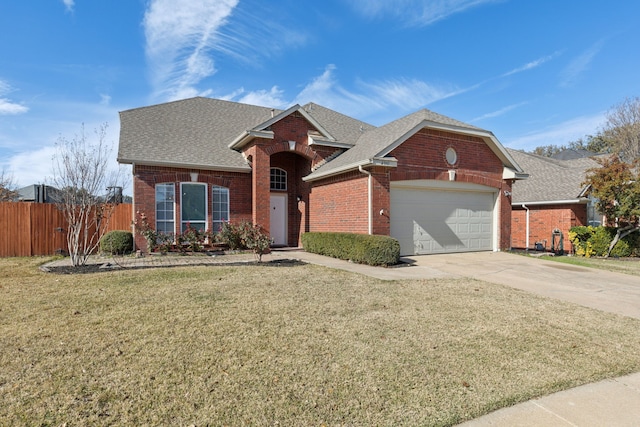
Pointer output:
294, 345
618, 265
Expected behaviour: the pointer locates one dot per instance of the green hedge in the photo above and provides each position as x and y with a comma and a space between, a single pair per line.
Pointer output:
359, 248
117, 242
595, 241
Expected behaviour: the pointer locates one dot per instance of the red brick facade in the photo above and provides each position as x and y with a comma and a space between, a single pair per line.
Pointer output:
543, 219
145, 179
354, 201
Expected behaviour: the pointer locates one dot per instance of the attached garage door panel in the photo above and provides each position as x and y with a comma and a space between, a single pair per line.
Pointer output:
439, 221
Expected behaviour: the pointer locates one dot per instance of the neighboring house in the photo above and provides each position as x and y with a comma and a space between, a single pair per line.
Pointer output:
434, 183
38, 193
554, 197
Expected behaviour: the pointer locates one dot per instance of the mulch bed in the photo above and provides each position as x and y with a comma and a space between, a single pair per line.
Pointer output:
110, 266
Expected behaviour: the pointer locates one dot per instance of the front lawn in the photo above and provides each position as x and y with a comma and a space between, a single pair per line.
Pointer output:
286, 345
618, 265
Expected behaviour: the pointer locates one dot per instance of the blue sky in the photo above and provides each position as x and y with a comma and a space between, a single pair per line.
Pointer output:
532, 72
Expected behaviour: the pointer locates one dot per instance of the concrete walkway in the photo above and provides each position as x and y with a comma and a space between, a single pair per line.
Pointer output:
614, 402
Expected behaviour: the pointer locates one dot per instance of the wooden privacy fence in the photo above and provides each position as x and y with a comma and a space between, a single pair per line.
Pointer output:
28, 229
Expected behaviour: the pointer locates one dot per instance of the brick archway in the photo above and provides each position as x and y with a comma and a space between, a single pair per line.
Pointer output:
296, 148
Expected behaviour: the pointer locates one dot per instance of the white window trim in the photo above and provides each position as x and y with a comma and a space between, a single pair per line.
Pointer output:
173, 186
206, 204
221, 221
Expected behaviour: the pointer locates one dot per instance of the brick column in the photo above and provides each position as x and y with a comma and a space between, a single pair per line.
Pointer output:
260, 187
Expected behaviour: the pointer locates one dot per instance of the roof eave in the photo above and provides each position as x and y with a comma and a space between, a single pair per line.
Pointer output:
390, 162
247, 136
508, 173
183, 165
326, 142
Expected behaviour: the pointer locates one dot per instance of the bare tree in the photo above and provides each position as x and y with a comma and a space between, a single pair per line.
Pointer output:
81, 173
8, 191
622, 129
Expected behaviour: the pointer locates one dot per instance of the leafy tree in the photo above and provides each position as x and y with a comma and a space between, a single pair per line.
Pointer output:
81, 173
616, 186
8, 191
622, 129
598, 144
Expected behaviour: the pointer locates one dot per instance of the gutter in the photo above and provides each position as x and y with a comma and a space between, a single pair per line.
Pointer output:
580, 201
186, 165
369, 198
389, 162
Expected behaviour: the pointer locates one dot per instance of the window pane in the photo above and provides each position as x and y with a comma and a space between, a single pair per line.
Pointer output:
165, 195
278, 179
193, 202
220, 206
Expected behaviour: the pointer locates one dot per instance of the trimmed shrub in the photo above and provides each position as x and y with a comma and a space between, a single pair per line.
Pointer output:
595, 241
117, 242
601, 239
359, 248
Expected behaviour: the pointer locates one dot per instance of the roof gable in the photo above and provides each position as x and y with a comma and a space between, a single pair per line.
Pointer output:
375, 144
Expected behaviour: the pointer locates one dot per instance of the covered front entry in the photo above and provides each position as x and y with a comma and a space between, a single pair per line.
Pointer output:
430, 217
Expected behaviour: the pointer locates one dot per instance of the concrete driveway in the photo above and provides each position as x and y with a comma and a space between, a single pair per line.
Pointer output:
613, 292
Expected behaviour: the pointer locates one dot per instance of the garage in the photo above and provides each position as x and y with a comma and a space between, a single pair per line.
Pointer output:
431, 217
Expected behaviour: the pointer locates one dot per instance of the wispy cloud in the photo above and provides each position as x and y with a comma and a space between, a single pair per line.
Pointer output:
531, 65
69, 5
179, 36
7, 106
265, 98
499, 112
560, 133
182, 37
366, 100
580, 64
416, 12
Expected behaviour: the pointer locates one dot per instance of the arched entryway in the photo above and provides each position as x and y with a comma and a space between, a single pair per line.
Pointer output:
289, 196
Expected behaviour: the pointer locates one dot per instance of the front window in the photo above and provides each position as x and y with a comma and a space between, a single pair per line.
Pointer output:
220, 211
193, 205
278, 179
165, 199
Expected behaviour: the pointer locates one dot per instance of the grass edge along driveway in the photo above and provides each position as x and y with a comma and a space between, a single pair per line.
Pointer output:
297, 345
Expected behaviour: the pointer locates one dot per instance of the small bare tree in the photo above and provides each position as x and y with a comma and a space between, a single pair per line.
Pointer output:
622, 129
8, 191
81, 173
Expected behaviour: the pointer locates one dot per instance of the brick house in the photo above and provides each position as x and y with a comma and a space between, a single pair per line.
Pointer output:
553, 197
434, 183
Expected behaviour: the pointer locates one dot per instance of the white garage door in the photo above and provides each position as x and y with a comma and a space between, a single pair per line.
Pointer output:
455, 217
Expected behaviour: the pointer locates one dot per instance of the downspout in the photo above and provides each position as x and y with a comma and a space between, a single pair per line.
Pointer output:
527, 222
369, 198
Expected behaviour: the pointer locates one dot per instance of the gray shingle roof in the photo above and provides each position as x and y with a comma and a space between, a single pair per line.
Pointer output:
196, 133
343, 128
550, 180
193, 132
